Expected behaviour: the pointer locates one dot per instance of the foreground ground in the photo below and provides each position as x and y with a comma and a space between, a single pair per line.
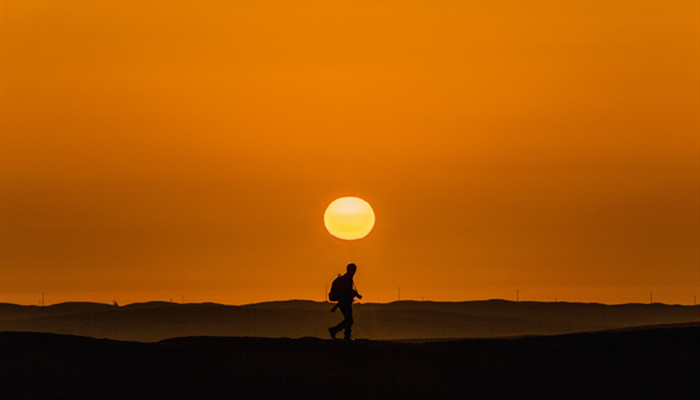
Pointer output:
655, 362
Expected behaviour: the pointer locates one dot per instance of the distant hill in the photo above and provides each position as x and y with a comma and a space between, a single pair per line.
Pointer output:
643, 363
156, 321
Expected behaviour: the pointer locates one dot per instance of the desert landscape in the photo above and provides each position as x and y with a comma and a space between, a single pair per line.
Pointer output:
405, 350
640, 363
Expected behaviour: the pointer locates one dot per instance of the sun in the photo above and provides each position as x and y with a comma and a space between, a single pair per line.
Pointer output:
349, 218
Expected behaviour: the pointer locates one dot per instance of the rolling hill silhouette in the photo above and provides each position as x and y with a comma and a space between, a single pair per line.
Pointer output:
156, 321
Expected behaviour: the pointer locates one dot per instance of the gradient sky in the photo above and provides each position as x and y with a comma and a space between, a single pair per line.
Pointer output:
155, 149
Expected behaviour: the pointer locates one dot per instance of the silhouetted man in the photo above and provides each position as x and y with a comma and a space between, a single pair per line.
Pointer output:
343, 290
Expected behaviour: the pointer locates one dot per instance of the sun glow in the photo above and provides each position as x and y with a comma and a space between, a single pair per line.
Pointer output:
349, 218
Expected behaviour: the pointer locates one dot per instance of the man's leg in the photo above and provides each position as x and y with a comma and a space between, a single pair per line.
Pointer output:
346, 309
335, 329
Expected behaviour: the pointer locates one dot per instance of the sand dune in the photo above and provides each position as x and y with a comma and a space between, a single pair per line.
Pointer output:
654, 362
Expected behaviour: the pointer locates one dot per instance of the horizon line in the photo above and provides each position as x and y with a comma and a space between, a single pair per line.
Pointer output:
115, 304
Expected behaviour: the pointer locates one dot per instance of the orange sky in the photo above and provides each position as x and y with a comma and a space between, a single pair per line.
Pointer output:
157, 149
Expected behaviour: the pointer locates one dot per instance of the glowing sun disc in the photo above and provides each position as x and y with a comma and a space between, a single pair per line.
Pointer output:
349, 218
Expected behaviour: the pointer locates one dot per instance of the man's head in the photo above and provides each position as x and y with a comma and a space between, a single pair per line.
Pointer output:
351, 268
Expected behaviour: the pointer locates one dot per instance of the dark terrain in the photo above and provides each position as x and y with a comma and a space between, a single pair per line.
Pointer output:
660, 362
295, 319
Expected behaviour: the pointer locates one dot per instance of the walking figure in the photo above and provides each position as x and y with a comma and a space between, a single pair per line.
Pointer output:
343, 291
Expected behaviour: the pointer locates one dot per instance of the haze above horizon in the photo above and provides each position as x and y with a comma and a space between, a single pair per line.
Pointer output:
151, 151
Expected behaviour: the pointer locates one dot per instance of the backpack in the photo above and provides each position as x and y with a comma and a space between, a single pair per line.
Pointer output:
336, 289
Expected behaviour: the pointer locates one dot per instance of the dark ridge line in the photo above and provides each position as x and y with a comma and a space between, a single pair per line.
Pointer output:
205, 338
639, 328
303, 301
